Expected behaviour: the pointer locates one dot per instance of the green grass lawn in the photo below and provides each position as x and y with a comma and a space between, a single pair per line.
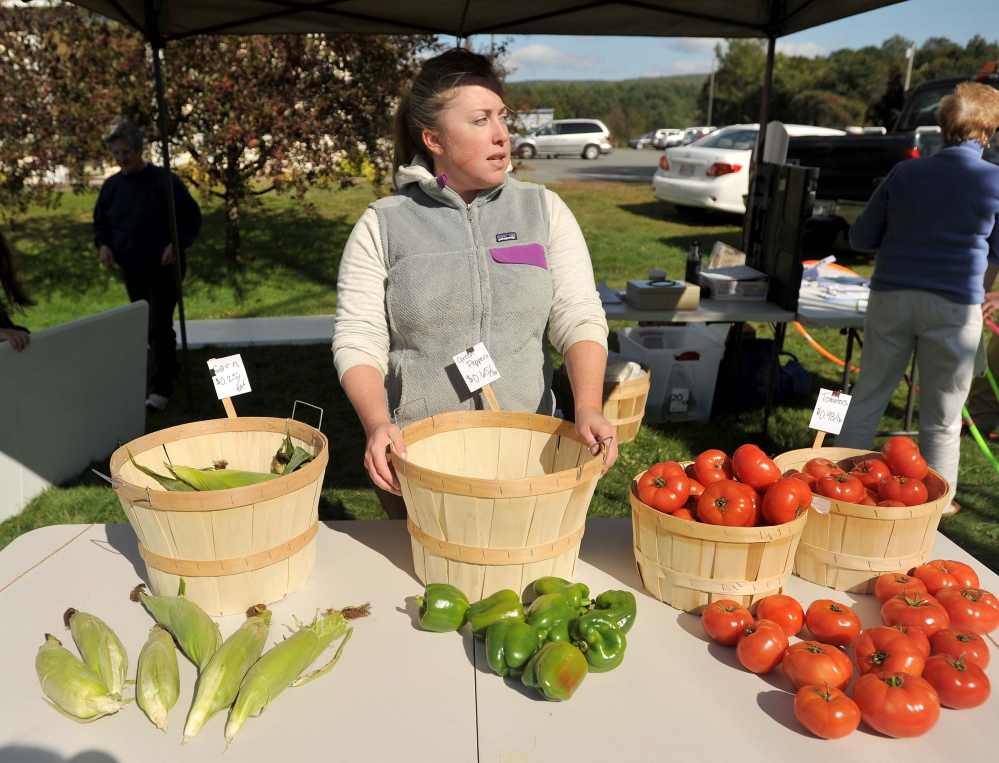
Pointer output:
290, 265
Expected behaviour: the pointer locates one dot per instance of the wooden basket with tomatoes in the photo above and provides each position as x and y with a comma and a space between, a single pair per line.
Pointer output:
872, 513
700, 534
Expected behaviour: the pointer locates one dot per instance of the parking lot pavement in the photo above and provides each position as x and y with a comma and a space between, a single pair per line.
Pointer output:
625, 165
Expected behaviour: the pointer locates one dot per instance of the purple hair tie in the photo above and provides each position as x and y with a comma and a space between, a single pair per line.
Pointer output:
442, 180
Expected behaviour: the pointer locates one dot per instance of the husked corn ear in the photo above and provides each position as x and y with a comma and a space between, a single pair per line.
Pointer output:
219, 682
197, 634
100, 648
220, 479
75, 689
157, 679
285, 662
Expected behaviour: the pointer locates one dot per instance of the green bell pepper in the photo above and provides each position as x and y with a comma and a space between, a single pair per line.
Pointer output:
577, 594
509, 645
551, 615
502, 605
601, 641
442, 608
620, 605
556, 671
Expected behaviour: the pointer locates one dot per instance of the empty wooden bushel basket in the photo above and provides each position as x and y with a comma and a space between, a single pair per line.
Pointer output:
624, 405
235, 548
495, 499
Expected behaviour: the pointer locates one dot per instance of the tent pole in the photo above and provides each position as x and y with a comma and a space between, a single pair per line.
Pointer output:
749, 220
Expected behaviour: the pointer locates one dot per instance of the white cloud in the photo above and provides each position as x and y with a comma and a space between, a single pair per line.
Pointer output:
693, 66
539, 60
694, 45
806, 49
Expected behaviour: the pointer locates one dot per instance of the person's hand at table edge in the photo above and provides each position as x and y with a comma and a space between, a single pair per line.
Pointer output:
106, 257
595, 430
18, 339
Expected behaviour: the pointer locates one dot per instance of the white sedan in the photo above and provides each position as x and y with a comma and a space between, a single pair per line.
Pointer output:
713, 172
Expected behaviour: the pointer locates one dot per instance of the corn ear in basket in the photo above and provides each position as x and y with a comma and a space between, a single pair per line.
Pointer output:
289, 457
167, 482
157, 679
100, 648
75, 689
197, 634
219, 682
218, 479
284, 664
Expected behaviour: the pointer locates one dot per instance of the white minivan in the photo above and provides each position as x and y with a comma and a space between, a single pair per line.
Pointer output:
588, 138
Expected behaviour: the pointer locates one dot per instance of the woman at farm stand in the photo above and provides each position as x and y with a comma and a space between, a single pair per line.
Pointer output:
463, 254
934, 224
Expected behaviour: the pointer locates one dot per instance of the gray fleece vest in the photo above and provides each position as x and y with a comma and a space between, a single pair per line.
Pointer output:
459, 275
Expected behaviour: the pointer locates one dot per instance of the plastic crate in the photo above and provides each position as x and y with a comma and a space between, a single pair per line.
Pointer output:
683, 361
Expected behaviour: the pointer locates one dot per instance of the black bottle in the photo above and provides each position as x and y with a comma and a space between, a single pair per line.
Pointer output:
693, 274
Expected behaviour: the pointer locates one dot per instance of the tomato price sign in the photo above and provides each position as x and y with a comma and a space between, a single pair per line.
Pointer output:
476, 367
229, 375
830, 411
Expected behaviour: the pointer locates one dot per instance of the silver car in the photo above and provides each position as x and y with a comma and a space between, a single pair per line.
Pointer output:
588, 138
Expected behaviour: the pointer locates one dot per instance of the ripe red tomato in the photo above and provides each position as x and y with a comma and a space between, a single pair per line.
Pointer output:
922, 643
870, 471
826, 712
696, 488
893, 583
726, 502
832, 623
665, 487
903, 458
785, 501
956, 642
842, 487
690, 471
761, 646
725, 620
808, 479
711, 466
751, 466
918, 610
940, 573
889, 503
684, 514
909, 492
867, 499
822, 467
897, 704
959, 683
970, 609
882, 649
783, 610
809, 662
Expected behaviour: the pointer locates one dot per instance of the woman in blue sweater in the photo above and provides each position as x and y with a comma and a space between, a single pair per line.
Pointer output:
934, 223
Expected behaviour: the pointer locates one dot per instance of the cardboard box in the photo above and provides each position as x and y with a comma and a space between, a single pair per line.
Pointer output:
741, 282
663, 295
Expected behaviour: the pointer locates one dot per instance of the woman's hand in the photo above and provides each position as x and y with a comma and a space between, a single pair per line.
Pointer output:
106, 257
18, 339
990, 306
376, 456
594, 428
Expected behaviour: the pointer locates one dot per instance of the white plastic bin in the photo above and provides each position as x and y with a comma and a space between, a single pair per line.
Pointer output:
684, 364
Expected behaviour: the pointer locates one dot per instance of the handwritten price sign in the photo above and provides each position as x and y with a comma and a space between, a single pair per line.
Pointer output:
229, 376
830, 411
477, 367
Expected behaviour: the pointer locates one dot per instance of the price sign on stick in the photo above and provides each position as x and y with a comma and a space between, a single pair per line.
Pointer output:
829, 414
478, 369
229, 377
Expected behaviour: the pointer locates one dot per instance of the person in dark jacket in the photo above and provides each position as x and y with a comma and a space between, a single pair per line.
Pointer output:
12, 297
132, 231
934, 223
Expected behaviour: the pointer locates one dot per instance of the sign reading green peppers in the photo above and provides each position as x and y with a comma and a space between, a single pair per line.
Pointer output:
560, 638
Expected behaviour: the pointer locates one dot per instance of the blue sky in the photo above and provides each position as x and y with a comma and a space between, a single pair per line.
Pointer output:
615, 58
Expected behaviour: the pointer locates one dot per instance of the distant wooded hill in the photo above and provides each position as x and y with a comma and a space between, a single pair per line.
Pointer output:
629, 108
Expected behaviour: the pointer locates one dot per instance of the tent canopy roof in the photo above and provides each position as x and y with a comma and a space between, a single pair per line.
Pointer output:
463, 18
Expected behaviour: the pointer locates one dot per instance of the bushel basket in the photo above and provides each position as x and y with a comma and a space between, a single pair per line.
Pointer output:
852, 545
495, 499
236, 547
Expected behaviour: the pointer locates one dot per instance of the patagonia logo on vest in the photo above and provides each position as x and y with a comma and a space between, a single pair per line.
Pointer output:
506, 237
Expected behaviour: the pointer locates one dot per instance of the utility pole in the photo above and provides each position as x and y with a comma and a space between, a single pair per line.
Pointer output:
910, 54
711, 92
